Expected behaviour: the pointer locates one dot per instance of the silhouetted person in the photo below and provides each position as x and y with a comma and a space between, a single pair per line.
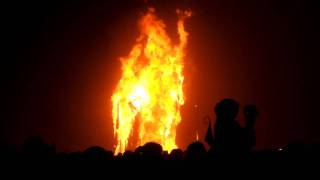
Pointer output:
138, 152
228, 136
96, 153
128, 155
196, 151
250, 113
34, 148
165, 155
118, 157
152, 151
176, 154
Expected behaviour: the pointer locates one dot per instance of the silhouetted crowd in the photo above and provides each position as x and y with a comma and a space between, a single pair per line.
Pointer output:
227, 142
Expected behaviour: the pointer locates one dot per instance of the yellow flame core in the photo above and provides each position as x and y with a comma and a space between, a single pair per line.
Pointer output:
150, 91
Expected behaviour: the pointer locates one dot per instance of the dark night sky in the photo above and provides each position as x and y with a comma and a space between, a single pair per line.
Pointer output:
60, 66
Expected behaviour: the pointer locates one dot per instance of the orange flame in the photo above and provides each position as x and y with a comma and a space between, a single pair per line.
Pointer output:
149, 95
197, 136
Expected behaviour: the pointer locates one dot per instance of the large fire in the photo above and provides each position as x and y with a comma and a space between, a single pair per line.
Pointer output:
148, 97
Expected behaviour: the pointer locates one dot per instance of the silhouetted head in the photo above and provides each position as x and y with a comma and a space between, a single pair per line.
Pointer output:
165, 155
36, 147
176, 154
152, 151
33, 143
227, 109
196, 151
96, 153
128, 155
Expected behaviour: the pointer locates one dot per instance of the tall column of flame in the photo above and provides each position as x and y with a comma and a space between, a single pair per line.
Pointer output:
150, 91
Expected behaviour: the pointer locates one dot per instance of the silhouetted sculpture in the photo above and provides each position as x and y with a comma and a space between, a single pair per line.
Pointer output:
227, 131
250, 114
196, 151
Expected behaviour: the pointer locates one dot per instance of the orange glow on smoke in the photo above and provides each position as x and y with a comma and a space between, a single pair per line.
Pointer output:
147, 100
